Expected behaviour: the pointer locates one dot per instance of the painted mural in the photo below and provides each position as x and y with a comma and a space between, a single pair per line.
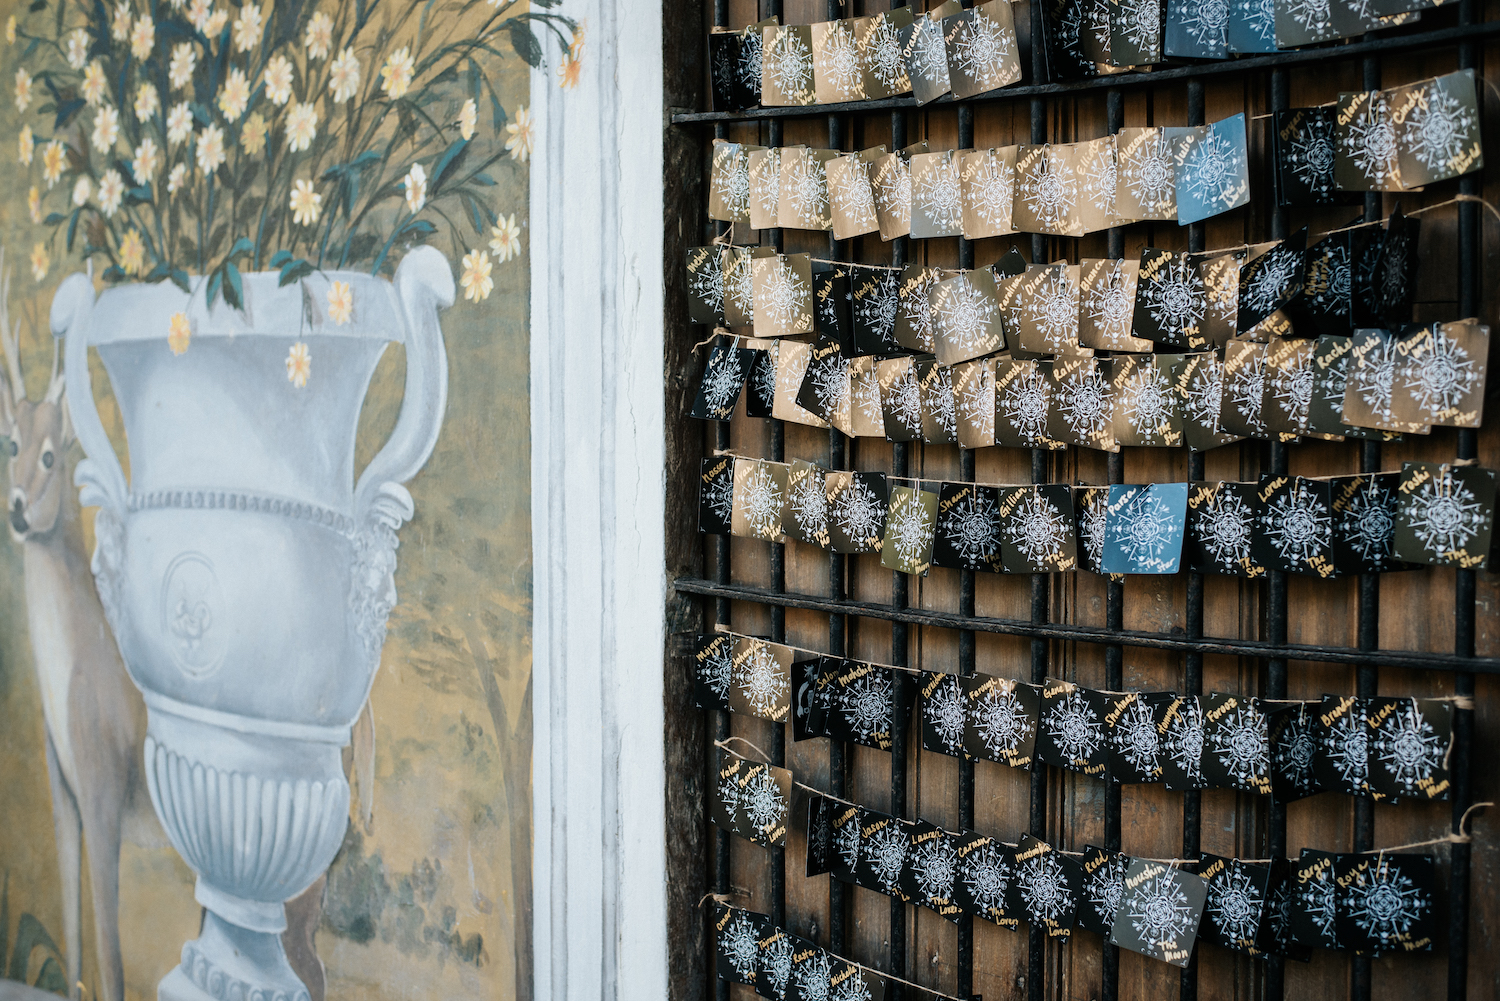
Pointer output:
265, 596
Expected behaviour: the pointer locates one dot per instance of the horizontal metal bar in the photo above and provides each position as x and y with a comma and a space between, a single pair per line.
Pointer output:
1296, 57
1095, 634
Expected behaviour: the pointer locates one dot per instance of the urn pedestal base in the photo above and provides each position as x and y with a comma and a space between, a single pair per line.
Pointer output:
228, 963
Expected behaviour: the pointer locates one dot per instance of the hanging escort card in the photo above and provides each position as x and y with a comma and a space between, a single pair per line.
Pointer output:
761, 679
866, 417
892, 185
1288, 387
1446, 514
1170, 300
1303, 146
939, 408
812, 973
909, 524
851, 197
843, 860
1146, 186
1236, 903
1082, 405
792, 359
1106, 305
1278, 933
705, 283
1437, 128
1023, 400
926, 56
862, 703
1046, 887
751, 800
1180, 723
716, 495
944, 713
1071, 731
1200, 383
1062, 35
783, 295
914, 327
760, 384
880, 49
965, 316
802, 192
1330, 378
974, 402
809, 702
1369, 388
967, 536
856, 511
1042, 314
723, 378
1220, 273
1395, 276
1148, 409
1221, 527
1385, 903
713, 670
1296, 737
1270, 281
1001, 718
883, 847
759, 499
1251, 27
982, 50
1294, 529
739, 286
1135, 32
1236, 743
1145, 527
1047, 191
787, 66
988, 179
1103, 889
1211, 170
1343, 761
1364, 523
937, 207
824, 390
725, 48
765, 188
838, 63
1097, 165
806, 518
820, 851
1159, 912
875, 297
737, 934
986, 873
1135, 751
1197, 30
729, 182
1037, 534
1242, 403
931, 868
1314, 901
900, 399
1409, 747
1439, 375
1090, 514
831, 308
1367, 153
1324, 304
773, 974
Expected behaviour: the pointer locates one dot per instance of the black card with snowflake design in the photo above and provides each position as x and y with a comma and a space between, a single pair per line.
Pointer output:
1325, 415
967, 536
931, 868
914, 328
1272, 280
1242, 397
1037, 533
986, 870
857, 505
944, 710
1314, 905
1221, 528
809, 700
1278, 934
1071, 731
1136, 753
874, 295
1171, 301
1179, 721
1102, 890
1065, 27
1343, 762
1303, 145
773, 970
1236, 743
909, 525
1409, 741
1294, 532
1082, 410
1090, 512
831, 305
1046, 887
884, 848
806, 518
812, 973
1367, 153
1160, 911
1200, 383
1437, 128
760, 385
737, 935
1148, 409
723, 377
1395, 278
762, 806
1237, 906
1445, 514
865, 703
760, 682
1023, 400
939, 406
1135, 32
724, 49
824, 390
713, 667
1297, 738
1286, 395
1370, 380
983, 53
850, 980
900, 399
1212, 170
1323, 306
1001, 716
974, 402
1439, 380
1145, 528
1364, 523
848, 820
1386, 903
716, 494
1196, 29
1221, 285
705, 283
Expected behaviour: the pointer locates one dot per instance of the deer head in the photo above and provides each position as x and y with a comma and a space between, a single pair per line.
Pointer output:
38, 435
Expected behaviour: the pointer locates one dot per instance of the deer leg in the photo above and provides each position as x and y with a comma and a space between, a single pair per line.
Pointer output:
67, 827
105, 770
303, 913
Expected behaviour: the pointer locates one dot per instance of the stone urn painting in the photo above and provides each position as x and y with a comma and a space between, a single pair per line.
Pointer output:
271, 499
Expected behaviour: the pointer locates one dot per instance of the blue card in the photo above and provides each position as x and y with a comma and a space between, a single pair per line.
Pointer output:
1213, 172
1252, 26
1144, 528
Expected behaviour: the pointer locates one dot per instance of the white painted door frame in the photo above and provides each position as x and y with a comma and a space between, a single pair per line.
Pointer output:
597, 509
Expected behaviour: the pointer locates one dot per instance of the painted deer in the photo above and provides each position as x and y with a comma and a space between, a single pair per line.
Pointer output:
93, 714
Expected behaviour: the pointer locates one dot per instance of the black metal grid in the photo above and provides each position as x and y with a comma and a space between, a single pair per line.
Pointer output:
1273, 650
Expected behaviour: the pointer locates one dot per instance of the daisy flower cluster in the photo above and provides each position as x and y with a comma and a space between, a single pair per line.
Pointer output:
174, 138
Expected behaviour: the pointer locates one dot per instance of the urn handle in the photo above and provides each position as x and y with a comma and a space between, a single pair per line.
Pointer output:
99, 477
424, 283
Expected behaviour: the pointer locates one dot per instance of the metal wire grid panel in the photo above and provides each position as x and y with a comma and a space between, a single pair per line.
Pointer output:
1050, 642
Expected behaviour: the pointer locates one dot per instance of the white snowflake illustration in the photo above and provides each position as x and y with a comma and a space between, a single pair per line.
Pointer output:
1176, 300
972, 527
904, 399
1298, 525
734, 181
1221, 280
1394, 260
763, 379
840, 61
809, 504
882, 51
1026, 402
909, 531
864, 391
1146, 527
1260, 19
1235, 904
916, 309
785, 299
1442, 377
1149, 174
1159, 910
831, 382
740, 945
857, 511
1348, 748
885, 853
1227, 526
1105, 888
934, 863
1148, 399
1409, 747
963, 315
1368, 523
762, 800
717, 669
762, 681
790, 63
929, 53
722, 381
1043, 887
739, 285
877, 309
1275, 278
982, 50
852, 988
987, 874
814, 977
808, 194
1091, 528
1050, 191
1440, 128
767, 188
893, 189
1211, 171
1373, 379
1205, 392
976, 401
1037, 528
1205, 22
707, 283
1296, 750
1141, 23
1370, 143
723, 69
1101, 173
1292, 389
1053, 308
1386, 903
1135, 737
1111, 305
1315, 16
761, 500
853, 194
942, 404
992, 191
945, 714
1311, 154
718, 494
1000, 720
1183, 740
938, 193
750, 68
1240, 742
1073, 726
846, 842
729, 795
866, 705
1085, 402
1318, 900
1247, 389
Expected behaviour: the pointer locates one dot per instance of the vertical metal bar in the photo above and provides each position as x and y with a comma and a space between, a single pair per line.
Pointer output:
1469, 298
838, 751
1036, 949
778, 619
721, 611
899, 637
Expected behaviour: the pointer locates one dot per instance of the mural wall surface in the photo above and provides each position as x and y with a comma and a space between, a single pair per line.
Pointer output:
265, 586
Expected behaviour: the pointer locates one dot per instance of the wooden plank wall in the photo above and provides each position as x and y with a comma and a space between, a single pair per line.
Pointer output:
1416, 608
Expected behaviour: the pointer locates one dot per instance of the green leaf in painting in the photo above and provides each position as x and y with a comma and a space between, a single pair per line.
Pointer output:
51, 978
30, 936
525, 43
280, 257
447, 163
234, 289
293, 270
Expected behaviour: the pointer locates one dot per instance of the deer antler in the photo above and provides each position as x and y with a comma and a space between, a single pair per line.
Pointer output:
56, 382
10, 337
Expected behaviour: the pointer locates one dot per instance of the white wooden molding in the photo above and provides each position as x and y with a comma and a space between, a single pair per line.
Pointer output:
597, 507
